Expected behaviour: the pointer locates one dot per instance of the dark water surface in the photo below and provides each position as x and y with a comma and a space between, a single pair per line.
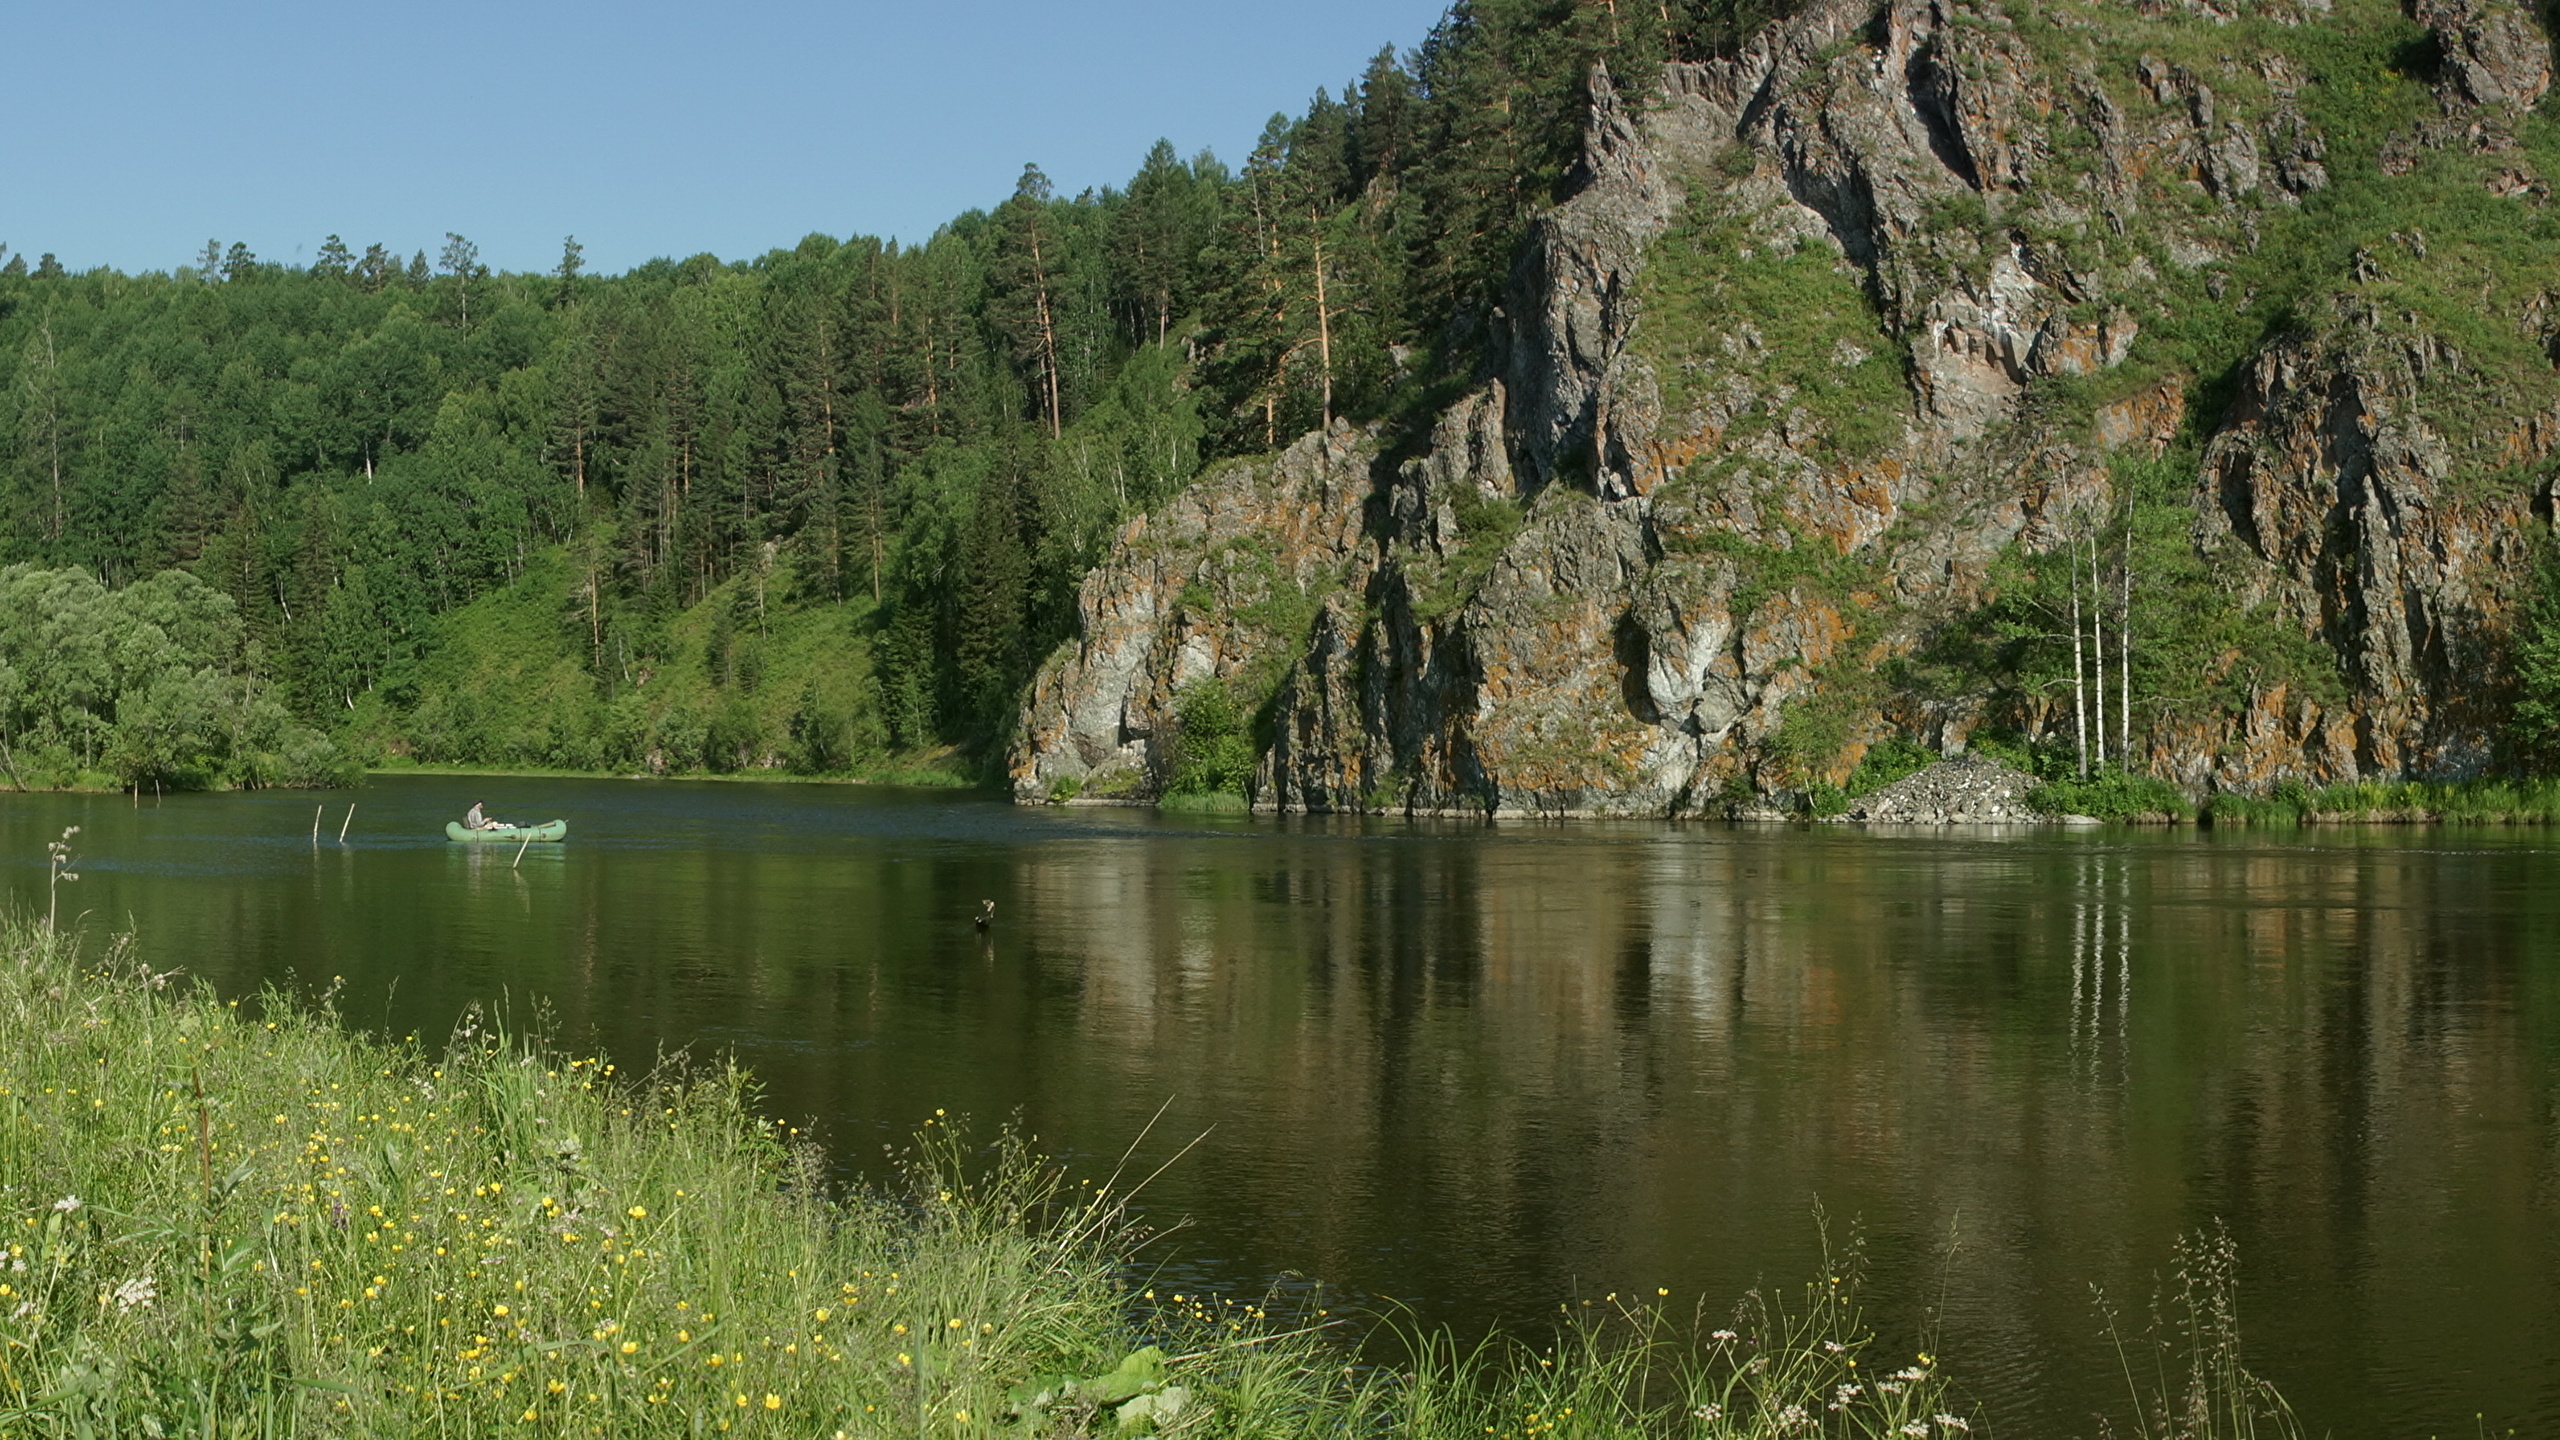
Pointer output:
1481, 1070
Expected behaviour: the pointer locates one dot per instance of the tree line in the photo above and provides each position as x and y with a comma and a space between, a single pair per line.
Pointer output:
936, 439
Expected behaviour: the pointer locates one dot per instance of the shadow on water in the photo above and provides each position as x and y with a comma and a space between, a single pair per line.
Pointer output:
1482, 1069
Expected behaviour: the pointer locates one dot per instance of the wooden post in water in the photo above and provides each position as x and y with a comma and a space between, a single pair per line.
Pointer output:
315, 822
343, 824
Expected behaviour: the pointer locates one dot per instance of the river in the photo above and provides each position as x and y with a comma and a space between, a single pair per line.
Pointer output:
1478, 1070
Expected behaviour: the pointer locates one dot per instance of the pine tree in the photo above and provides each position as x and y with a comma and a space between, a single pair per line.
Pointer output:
376, 270
40, 439
990, 650
1023, 303
461, 260
573, 263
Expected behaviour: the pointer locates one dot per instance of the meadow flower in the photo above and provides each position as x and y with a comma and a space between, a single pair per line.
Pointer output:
137, 1293
67, 1204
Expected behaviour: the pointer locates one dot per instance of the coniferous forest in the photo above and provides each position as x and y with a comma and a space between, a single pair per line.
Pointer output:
824, 508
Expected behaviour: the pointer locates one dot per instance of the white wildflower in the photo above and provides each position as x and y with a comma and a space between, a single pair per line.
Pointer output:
67, 1204
1723, 1335
1794, 1418
1709, 1413
137, 1293
1910, 1372
1952, 1422
1918, 1428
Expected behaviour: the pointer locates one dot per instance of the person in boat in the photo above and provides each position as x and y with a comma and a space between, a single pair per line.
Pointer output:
479, 820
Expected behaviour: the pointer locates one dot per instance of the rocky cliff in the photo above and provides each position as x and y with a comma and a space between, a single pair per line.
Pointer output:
1868, 371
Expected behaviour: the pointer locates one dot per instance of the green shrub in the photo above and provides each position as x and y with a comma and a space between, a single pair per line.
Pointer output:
1887, 761
2111, 795
1213, 751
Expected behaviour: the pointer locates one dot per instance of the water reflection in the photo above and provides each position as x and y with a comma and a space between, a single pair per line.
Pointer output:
2101, 942
1481, 1070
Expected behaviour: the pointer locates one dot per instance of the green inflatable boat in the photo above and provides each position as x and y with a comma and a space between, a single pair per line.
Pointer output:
541, 834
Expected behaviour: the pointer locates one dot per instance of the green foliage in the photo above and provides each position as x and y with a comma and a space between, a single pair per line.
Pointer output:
1724, 297
1887, 761
1486, 527
1808, 563
1213, 749
2537, 663
154, 684
2197, 653
1818, 728
2485, 801
511, 1238
2112, 795
356, 455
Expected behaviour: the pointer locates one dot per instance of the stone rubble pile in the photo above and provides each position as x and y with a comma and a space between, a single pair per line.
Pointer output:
1967, 790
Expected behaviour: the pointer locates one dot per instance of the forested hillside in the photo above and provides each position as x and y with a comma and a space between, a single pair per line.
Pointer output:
827, 507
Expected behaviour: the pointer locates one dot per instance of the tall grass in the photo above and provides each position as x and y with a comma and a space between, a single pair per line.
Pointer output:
2478, 802
228, 1220
2184, 1377
227, 1224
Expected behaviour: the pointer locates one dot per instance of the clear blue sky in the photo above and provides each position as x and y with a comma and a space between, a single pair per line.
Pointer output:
135, 132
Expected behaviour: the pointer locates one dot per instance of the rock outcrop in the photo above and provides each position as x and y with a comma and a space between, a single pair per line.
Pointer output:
1784, 416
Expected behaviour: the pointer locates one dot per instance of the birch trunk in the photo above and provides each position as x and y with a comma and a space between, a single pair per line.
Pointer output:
2098, 649
2079, 674
2124, 661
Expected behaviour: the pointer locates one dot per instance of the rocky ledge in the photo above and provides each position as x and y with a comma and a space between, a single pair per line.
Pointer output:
1967, 791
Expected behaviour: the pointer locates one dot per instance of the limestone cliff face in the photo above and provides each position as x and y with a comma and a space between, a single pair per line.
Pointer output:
1832, 338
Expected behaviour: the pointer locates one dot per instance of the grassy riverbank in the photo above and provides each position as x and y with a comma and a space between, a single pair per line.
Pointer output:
2114, 795
238, 1220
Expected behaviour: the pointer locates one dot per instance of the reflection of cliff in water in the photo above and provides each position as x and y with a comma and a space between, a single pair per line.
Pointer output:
1488, 1069
1604, 1061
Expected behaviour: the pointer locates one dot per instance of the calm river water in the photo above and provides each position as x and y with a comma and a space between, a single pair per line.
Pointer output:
1479, 1070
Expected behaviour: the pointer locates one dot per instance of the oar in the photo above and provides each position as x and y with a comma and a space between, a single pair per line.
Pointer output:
519, 860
